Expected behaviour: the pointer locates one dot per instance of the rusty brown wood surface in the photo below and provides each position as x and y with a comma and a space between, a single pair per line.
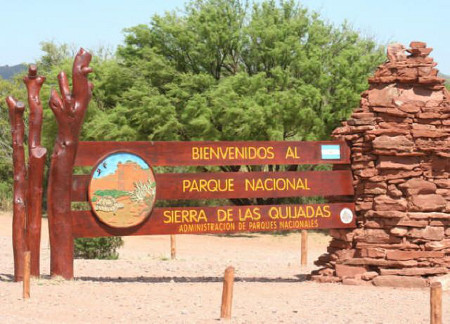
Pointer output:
69, 109
214, 153
16, 110
224, 219
218, 185
37, 155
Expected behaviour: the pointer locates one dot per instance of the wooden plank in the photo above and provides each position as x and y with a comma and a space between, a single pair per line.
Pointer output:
224, 185
215, 153
225, 219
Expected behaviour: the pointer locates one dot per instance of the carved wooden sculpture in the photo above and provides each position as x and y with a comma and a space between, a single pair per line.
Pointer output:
69, 110
16, 109
36, 154
27, 187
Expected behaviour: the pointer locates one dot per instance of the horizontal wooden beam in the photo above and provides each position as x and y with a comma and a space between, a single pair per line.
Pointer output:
219, 153
226, 185
224, 219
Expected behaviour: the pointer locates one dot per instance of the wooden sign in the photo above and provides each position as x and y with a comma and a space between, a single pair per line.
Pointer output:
220, 153
196, 186
122, 188
224, 219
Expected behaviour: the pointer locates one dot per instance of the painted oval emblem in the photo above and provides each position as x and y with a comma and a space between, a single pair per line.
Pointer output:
346, 216
122, 190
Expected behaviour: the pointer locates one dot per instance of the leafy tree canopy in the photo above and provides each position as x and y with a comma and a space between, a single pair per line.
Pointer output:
227, 70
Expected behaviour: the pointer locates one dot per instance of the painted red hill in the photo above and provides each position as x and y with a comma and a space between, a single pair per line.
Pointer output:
123, 179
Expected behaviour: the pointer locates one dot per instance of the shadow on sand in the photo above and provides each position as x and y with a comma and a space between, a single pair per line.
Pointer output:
299, 278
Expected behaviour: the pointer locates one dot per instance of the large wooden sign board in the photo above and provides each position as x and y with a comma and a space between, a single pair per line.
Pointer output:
122, 188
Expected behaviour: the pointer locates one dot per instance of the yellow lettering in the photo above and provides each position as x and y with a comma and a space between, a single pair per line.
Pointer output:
292, 153
224, 215
167, 217
326, 210
195, 153
208, 185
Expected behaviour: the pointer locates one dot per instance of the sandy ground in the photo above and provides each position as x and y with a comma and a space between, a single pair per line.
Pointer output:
145, 286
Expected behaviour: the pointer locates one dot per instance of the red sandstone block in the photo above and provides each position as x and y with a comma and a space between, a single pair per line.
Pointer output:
414, 271
418, 186
409, 108
416, 44
398, 162
428, 233
409, 255
427, 203
400, 281
355, 282
349, 271
381, 262
397, 143
386, 203
373, 253
399, 231
326, 279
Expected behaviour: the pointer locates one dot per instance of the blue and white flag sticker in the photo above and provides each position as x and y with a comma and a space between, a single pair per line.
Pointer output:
331, 152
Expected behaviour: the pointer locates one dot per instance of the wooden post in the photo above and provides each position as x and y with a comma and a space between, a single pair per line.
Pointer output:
173, 247
26, 274
16, 110
436, 303
304, 248
69, 109
36, 164
227, 293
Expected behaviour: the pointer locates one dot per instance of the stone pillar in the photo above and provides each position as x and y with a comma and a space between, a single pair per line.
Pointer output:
400, 150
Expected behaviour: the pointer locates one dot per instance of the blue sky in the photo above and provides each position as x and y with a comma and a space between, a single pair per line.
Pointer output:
111, 163
95, 23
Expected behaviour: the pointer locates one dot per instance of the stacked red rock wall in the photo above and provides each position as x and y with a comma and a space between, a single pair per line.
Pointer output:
400, 144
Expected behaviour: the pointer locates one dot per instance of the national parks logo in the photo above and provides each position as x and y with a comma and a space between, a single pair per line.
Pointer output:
122, 190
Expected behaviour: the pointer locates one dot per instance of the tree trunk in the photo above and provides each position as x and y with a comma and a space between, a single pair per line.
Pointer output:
69, 110
36, 164
16, 109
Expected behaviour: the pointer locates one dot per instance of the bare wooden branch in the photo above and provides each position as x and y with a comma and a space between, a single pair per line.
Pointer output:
16, 110
37, 154
69, 110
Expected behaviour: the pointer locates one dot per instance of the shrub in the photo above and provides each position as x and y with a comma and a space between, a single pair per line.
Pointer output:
104, 248
6, 199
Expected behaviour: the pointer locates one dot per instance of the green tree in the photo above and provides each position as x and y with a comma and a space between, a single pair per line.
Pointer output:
225, 70
14, 88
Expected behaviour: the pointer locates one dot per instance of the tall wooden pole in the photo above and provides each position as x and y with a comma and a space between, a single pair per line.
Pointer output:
16, 109
36, 164
69, 110
227, 293
436, 303
304, 248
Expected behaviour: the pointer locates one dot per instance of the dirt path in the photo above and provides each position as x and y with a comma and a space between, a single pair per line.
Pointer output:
145, 286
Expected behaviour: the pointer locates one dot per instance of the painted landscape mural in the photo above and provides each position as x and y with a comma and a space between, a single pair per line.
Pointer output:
122, 190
